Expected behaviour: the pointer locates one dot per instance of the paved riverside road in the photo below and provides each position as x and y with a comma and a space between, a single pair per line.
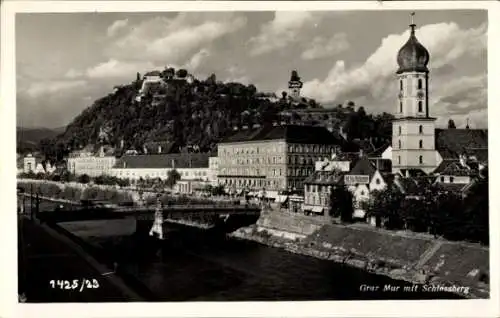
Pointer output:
46, 257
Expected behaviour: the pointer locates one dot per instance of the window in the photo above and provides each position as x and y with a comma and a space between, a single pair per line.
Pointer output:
442, 179
399, 144
401, 85
399, 128
377, 181
420, 159
419, 83
451, 179
400, 106
399, 159
420, 106
420, 129
420, 144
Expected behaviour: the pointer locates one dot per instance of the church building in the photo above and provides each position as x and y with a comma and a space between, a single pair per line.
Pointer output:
416, 143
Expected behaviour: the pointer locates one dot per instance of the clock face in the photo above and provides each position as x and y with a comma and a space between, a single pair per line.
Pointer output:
420, 94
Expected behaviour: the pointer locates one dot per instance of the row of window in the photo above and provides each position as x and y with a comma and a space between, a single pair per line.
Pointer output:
420, 144
162, 174
419, 84
420, 106
313, 200
317, 188
252, 150
253, 183
420, 129
420, 159
297, 172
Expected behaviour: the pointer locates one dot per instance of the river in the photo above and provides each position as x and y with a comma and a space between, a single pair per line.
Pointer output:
199, 265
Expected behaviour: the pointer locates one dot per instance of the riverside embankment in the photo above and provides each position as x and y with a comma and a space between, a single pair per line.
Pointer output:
456, 267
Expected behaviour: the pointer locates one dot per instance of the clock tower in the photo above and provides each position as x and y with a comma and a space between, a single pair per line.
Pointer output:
413, 130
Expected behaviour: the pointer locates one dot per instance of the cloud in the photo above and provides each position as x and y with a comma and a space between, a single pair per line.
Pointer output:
321, 47
197, 60
118, 25
172, 39
373, 82
282, 31
72, 73
37, 89
119, 69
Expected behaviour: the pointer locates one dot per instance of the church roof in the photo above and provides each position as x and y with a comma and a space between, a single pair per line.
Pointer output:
453, 142
413, 56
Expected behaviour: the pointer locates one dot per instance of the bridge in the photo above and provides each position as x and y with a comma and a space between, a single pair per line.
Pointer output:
152, 217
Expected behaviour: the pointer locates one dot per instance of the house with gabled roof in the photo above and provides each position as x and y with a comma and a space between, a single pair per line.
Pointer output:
361, 180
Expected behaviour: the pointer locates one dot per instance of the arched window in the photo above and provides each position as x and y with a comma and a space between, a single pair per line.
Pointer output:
419, 83
451, 179
420, 144
399, 128
420, 129
401, 85
400, 106
399, 144
420, 159
420, 106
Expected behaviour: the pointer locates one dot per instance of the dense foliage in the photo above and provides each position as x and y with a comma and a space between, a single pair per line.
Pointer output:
198, 113
341, 204
445, 214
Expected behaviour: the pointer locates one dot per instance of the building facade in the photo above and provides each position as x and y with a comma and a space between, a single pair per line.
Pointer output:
157, 166
85, 162
274, 158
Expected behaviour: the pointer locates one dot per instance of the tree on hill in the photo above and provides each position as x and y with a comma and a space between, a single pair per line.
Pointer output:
451, 124
84, 179
385, 207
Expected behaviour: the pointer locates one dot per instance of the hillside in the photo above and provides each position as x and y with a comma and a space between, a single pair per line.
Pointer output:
190, 113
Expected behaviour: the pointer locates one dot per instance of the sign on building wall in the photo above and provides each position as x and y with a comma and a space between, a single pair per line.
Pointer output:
356, 179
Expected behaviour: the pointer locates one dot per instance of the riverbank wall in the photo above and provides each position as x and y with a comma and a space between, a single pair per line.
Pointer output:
459, 267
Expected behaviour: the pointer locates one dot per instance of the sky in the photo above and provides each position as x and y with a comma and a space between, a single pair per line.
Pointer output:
65, 61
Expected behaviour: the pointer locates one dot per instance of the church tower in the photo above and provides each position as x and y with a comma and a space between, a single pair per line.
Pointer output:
294, 85
413, 130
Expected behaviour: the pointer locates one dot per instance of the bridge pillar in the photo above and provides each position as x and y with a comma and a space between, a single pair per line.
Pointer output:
157, 228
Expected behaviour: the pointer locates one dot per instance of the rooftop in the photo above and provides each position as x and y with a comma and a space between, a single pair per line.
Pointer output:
326, 177
290, 133
363, 167
158, 161
453, 142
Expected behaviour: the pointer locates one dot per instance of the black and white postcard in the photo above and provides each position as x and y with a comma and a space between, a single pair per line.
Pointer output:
250, 158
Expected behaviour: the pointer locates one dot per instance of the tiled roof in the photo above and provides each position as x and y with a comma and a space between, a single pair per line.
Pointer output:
383, 165
407, 185
178, 160
325, 177
378, 152
413, 173
363, 167
291, 133
453, 142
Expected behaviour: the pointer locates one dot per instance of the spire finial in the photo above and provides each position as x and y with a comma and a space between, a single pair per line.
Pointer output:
467, 127
412, 23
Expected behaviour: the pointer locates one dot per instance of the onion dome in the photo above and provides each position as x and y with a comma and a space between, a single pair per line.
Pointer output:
413, 56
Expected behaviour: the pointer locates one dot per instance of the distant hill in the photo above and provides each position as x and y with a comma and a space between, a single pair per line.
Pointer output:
28, 139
